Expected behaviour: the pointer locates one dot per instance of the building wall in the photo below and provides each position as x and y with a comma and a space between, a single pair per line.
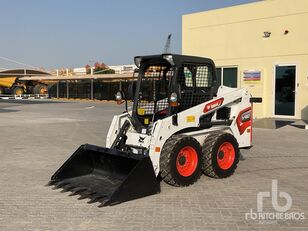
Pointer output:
235, 36
129, 68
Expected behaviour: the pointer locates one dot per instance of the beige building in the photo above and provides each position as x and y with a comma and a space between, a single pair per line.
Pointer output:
261, 46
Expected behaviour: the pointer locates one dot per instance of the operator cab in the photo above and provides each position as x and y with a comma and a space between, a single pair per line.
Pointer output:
168, 84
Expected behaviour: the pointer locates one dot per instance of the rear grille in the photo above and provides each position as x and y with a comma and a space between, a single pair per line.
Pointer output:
223, 113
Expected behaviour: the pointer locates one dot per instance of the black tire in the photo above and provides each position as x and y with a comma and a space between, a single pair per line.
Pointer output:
18, 91
210, 148
169, 159
40, 89
1, 90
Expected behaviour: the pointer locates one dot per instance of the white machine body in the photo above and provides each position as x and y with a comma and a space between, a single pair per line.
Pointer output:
239, 124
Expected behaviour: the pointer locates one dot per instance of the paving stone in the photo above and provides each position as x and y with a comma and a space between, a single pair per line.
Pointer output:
37, 138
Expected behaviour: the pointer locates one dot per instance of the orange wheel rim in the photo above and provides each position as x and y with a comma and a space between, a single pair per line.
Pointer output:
187, 161
18, 92
42, 91
225, 155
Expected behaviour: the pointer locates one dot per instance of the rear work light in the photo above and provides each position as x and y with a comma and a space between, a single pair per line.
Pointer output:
246, 116
243, 120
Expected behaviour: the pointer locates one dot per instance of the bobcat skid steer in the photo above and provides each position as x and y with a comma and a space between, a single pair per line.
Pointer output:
181, 124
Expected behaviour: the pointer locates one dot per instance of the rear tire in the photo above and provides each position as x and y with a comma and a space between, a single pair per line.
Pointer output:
1, 90
40, 89
220, 155
180, 161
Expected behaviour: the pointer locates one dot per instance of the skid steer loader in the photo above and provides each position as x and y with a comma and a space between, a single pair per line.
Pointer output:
181, 124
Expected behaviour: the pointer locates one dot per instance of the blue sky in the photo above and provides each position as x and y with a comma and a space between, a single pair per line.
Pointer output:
71, 33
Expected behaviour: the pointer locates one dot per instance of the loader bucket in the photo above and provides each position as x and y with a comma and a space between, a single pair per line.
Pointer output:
107, 176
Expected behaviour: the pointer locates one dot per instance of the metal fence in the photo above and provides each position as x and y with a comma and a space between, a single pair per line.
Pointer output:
87, 89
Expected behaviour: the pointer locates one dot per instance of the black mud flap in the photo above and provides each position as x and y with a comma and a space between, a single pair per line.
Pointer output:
107, 176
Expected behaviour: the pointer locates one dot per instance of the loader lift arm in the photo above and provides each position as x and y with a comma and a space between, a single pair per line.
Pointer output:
119, 142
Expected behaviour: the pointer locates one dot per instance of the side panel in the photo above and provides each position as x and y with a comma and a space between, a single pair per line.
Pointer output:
237, 99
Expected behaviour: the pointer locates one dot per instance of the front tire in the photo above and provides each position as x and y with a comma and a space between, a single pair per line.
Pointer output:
180, 161
220, 155
18, 91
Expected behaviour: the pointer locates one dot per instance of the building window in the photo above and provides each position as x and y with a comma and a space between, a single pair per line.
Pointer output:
227, 76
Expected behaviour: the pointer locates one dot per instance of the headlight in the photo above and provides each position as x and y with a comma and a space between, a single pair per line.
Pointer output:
173, 99
118, 96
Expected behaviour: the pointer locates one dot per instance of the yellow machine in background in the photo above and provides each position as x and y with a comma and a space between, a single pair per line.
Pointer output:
11, 85
7, 81
10, 82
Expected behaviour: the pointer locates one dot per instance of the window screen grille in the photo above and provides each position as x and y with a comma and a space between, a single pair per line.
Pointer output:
153, 94
195, 81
